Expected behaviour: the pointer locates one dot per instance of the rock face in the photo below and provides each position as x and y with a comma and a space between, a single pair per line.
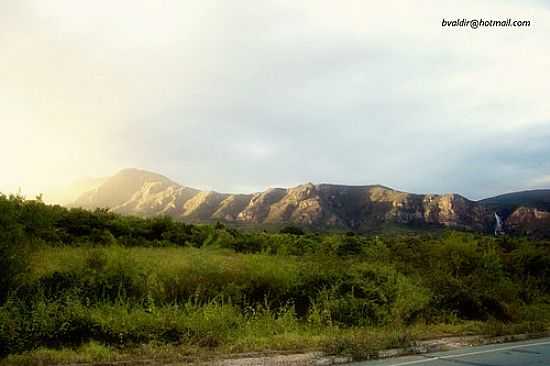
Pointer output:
526, 212
133, 191
324, 206
529, 221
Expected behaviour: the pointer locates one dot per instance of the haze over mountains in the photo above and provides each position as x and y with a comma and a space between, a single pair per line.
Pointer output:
324, 206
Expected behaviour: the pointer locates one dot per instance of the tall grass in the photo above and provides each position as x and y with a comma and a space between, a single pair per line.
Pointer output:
126, 296
164, 275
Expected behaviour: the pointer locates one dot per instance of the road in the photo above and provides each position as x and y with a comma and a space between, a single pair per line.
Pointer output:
526, 353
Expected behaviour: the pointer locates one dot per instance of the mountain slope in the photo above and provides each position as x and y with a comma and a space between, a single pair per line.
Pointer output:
139, 192
529, 221
122, 187
539, 199
526, 212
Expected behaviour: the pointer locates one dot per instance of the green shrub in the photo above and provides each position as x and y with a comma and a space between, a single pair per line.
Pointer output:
372, 294
13, 248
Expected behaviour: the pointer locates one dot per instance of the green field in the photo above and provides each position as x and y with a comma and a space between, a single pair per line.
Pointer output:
82, 286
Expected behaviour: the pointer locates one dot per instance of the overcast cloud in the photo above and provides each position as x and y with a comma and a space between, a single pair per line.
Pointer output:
237, 96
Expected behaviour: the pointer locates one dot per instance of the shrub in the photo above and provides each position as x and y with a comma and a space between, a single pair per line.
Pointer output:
371, 294
13, 249
293, 230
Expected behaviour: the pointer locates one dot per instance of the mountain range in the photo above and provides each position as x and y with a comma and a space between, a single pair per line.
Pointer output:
320, 206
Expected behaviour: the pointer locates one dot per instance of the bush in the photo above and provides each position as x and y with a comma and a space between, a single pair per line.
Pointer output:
13, 249
371, 294
469, 279
293, 230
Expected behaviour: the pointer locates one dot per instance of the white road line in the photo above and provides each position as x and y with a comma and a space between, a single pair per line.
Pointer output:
470, 353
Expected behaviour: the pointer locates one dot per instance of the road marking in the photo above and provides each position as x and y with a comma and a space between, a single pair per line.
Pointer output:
525, 351
430, 359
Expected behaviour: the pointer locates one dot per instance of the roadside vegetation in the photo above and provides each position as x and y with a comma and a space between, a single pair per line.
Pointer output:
81, 286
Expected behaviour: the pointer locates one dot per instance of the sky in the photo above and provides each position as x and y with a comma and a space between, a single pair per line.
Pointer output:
238, 96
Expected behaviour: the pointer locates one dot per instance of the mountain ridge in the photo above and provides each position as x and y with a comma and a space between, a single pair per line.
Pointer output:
325, 205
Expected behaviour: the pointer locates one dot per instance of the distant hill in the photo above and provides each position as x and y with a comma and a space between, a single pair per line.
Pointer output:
526, 212
323, 206
134, 191
539, 199
319, 206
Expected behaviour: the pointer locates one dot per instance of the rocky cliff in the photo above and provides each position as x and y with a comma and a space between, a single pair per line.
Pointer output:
133, 191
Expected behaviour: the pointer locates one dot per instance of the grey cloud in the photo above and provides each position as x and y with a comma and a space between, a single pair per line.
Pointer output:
503, 162
252, 94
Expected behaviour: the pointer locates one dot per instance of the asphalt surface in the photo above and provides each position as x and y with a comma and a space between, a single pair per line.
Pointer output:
526, 353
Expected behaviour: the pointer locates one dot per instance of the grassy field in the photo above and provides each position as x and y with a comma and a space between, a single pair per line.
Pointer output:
80, 286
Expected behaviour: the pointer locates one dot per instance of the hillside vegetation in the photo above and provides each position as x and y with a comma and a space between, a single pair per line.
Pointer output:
77, 285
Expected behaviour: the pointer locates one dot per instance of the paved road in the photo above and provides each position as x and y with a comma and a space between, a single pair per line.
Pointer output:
527, 353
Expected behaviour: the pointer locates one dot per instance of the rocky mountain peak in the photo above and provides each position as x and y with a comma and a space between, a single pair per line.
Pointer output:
135, 191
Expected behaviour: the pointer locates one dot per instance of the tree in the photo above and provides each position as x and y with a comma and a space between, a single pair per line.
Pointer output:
294, 230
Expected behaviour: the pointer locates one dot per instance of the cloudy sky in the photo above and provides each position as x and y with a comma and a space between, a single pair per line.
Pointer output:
237, 96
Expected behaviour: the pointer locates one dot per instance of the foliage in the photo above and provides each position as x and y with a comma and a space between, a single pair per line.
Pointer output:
71, 277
